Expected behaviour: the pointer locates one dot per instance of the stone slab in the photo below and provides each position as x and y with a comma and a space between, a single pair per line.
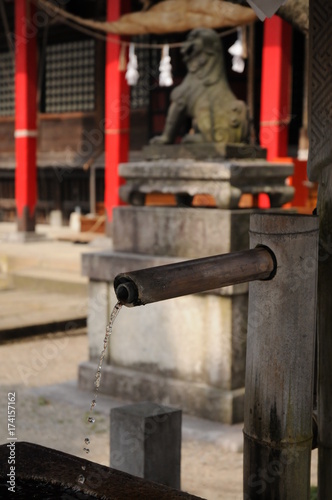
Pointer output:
105, 265
180, 232
146, 442
239, 172
225, 180
48, 280
25, 313
203, 151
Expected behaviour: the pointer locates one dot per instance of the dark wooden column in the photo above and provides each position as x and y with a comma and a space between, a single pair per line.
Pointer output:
25, 115
320, 170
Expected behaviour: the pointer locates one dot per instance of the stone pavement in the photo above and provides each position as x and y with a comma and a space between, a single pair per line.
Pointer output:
42, 370
41, 285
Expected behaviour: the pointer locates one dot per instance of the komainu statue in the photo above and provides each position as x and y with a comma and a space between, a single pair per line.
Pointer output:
205, 96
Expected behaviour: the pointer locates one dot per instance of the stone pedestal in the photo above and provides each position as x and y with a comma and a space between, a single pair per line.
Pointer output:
190, 351
225, 180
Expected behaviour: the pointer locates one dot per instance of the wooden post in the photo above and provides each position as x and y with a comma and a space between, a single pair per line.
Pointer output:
320, 170
92, 189
117, 111
280, 360
25, 115
275, 92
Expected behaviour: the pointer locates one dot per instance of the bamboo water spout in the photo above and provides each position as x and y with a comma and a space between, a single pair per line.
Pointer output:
193, 276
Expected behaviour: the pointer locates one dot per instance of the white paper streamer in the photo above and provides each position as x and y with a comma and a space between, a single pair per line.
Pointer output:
237, 51
132, 74
165, 68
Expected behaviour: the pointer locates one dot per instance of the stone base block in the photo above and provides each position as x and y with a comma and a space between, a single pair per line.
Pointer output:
180, 232
197, 399
188, 352
199, 338
146, 442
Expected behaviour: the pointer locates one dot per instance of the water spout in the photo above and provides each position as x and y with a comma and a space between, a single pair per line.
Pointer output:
194, 276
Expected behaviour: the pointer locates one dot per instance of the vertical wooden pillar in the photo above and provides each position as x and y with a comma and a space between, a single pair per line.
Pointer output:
320, 170
275, 91
25, 115
280, 361
117, 111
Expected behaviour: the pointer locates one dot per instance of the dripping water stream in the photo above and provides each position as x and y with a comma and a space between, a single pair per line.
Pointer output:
90, 418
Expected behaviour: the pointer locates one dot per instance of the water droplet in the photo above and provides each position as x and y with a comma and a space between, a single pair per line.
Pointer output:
91, 420
83, 467
97, 380
81, 478
86, 450
87, 441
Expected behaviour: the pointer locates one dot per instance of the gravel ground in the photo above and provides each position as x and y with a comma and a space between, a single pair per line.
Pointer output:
31, 366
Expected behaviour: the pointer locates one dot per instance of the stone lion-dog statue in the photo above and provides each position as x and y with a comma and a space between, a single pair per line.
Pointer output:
205, 96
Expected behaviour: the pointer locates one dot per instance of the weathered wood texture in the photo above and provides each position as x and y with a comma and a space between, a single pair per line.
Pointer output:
280, 359
319, 169
38, 467
193, 276
324, 207
320, 88
7, 141
77, 132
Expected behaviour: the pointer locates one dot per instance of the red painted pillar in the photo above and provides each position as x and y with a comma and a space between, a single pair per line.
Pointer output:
117, 111
276, 87
25, 115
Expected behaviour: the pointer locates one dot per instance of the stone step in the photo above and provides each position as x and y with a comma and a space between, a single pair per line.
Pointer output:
5, 282
31, 312
48, 262
50, 280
